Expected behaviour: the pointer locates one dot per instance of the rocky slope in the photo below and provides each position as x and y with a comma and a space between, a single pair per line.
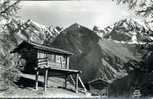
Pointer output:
33, 31
126, 65
129, 30
97, 58
125, 31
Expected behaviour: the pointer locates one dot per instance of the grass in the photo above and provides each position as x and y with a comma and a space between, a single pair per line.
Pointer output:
25, 88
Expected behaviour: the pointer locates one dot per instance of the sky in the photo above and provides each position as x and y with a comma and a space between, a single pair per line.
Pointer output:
89, 13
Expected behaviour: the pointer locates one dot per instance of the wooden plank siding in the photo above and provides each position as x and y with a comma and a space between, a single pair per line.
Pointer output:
52, 61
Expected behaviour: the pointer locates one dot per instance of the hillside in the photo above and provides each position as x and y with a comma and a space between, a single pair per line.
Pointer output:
131, 31
97, 58
25, 89
15, 31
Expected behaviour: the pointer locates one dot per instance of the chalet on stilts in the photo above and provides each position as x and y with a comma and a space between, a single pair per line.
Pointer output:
48, 61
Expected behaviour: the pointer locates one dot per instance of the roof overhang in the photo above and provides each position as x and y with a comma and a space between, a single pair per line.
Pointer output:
41, 47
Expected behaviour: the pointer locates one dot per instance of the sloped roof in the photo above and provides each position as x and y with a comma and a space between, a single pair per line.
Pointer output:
99, 81
41, 47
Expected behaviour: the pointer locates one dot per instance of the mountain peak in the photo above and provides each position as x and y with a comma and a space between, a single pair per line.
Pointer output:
125, 30
131, 22
75, 25
75, 28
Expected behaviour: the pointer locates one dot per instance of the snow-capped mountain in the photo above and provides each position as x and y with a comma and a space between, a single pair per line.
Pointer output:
122, 64
33, 31
128, 30
97, 58
132, 32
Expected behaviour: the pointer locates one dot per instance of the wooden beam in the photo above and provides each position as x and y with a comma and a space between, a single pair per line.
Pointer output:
82, 84
61, 62
73, 81
45, 78
36, 80
76, 83
107, 91
67, 62
66, 78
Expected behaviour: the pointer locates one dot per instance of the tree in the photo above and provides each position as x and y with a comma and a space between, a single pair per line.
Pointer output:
8, 62
142, 8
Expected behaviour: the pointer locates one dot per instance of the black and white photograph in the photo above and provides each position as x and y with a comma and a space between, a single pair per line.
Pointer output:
76, 49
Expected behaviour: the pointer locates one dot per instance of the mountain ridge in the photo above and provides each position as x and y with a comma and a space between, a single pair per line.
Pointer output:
126, 30
96, 56
93, 54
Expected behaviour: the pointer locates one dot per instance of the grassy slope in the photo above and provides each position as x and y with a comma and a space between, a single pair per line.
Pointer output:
26, 88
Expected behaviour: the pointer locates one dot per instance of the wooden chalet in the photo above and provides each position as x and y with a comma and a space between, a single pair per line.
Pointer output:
48, 61
99, 87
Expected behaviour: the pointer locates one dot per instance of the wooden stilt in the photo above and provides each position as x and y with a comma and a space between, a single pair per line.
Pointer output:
66, 77
36, 81
107, 92
85, 90
73, 81
76, 83
45, 79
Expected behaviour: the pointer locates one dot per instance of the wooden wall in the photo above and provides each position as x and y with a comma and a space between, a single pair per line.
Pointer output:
53, 60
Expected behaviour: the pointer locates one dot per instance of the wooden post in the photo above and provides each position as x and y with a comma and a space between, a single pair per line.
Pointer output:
82, 84
47, 81
73, 81
76, 83
61, 62
66, 77
36, 80
67, 62
107, 92
45, 78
